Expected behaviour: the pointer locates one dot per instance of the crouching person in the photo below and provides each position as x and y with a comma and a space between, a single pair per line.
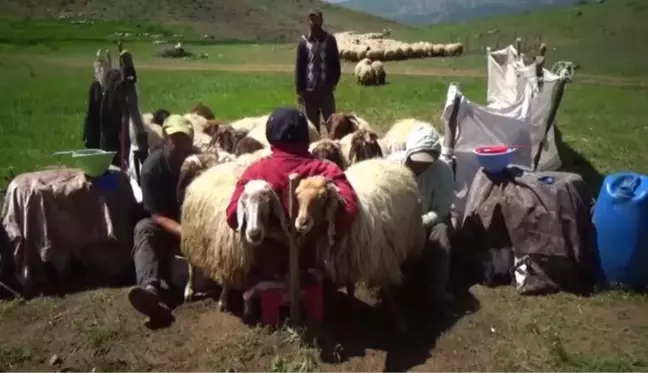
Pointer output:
157, 238
436, 182
287, 133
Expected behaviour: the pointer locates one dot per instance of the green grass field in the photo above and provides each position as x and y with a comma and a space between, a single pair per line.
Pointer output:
44, 82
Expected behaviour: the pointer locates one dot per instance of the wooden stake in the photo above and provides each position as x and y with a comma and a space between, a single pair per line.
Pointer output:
518, 45
295, 291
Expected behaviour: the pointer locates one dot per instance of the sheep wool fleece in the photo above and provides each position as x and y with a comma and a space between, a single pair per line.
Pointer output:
437, 182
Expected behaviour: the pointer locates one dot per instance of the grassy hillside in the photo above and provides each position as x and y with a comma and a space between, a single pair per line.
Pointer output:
427, 12
607, 38
275, 20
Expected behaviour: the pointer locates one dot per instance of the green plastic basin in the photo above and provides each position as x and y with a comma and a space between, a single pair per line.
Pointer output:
93, 162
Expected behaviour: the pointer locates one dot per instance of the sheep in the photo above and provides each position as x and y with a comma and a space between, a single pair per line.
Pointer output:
364, 61
209, 243
203, 111
226, 138
212, 125
361, 145
249, 158
339, 125
193, 166
250, 122
453, 49
153, 130
376, 54
198, 122
259, 133
387, 230
396, 137
379, 71
330, 150
247, 145
437, 50
366, 74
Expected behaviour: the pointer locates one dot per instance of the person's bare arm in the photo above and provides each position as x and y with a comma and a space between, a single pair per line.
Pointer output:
168, 224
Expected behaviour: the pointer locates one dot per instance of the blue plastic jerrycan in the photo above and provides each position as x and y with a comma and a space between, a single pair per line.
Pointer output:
621, 219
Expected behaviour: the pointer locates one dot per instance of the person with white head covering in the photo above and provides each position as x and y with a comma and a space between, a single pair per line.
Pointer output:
436, 182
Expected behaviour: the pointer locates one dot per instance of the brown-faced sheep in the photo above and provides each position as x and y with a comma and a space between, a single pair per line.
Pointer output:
339, 125
330, 150
361, 145
203, 111
247, 145
387, 231
226, 138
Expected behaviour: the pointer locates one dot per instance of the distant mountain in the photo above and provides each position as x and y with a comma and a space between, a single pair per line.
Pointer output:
425, 12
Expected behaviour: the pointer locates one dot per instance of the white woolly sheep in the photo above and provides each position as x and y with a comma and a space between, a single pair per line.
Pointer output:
397, 135
379, 71
209, 243
387, 230
249, 123
364, 61
366, 74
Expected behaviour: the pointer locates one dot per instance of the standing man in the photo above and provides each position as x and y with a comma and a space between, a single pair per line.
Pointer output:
317, 71
157, 237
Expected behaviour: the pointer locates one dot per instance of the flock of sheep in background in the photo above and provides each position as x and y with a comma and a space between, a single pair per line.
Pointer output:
355, 47
371, 49
386, 232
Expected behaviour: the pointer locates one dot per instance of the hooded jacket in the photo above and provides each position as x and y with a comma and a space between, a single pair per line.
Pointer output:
436, 183
287, 133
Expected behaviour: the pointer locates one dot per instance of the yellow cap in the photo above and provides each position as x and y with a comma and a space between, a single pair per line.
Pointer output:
177, 124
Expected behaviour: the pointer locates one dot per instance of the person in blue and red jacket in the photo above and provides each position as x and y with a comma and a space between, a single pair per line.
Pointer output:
287, 133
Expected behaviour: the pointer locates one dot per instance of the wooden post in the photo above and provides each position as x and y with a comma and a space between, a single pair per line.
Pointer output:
295, 291
518, 45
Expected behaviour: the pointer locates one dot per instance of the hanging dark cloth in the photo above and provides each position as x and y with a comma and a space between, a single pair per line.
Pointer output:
112, 112
92, 124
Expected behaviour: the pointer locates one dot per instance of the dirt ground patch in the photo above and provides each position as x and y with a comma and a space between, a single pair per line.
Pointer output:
487, 329
396, 70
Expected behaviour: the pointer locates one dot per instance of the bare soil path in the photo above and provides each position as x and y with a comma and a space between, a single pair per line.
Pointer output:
396, 70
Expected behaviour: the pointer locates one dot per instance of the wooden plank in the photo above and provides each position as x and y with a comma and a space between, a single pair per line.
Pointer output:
295, 291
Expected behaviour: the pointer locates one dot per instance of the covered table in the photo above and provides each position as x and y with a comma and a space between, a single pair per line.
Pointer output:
60, 216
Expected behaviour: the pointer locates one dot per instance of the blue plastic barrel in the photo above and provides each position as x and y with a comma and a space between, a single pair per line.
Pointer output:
621, 219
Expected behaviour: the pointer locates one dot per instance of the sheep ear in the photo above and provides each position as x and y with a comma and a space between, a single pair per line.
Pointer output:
330, 210
240, 213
